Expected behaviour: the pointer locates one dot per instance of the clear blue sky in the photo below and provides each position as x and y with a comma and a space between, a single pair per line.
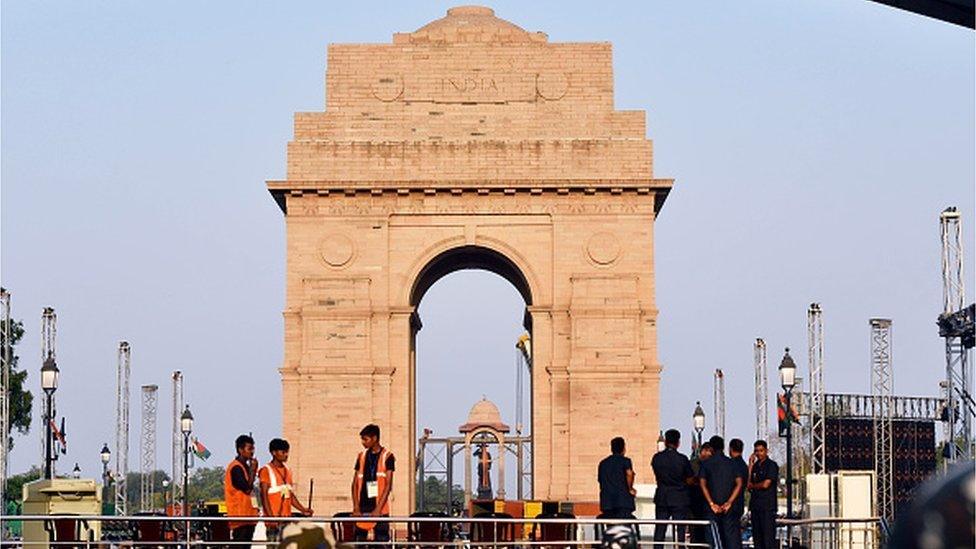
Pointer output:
813, 143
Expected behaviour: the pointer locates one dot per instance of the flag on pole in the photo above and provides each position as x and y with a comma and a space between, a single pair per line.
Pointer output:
200, 450
59, 435
785, 414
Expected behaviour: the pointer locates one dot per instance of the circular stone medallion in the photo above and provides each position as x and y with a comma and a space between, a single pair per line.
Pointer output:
603, 248
336, 250
387, 89
551, 85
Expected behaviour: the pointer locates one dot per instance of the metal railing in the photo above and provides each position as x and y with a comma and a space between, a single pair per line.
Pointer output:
98, 531
843, 533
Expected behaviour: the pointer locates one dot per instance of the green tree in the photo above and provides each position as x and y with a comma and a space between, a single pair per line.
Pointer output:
133, 490
206, 483
15, 483
435, 496
21, 399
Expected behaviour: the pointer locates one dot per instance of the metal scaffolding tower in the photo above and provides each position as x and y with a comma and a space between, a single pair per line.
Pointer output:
49, 333
815, 357
5, 356
122, 429
176, 446
147, 491
881, 390
718, 402
956, 325
762, 397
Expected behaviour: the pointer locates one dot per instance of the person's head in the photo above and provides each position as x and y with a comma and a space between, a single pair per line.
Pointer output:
618, 446
735, 447
279, 449
672, 437
718, 444
705, 451
761, 450
245, 446
370, 436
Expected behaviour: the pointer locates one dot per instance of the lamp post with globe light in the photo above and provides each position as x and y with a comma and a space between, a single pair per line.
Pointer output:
787, 378
186, 427
699, 422
49, 383
106, 456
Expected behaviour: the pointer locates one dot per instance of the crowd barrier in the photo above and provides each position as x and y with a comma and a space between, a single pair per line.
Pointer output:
420, 531
426, 531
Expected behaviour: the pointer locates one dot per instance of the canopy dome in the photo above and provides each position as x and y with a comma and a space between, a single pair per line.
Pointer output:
484, 414
470, 24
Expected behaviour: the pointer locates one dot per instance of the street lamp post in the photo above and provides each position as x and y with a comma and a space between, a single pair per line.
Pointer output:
49, 383
106, 456
787, 377
699, 421
186, 427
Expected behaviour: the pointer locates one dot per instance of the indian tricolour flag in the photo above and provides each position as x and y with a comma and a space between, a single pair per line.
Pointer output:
200, 450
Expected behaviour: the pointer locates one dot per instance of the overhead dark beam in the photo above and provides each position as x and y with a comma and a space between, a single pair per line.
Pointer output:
957, 12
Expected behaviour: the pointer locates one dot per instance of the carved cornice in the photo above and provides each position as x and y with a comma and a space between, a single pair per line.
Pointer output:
279, 189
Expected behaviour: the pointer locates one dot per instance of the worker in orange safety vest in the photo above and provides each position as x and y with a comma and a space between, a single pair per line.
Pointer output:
239, 493
372, 485
278, 488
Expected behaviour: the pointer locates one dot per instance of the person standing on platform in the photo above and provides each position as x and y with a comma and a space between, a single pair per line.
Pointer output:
278, 489
239, 489
763, 476
673, 473
616, 477
736, 446
721, 485
698, 533
372, 484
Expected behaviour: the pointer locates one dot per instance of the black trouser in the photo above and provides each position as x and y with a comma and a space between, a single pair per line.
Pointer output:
665, 512
764, 528
381, 532
699, 534
727, 525
242, 533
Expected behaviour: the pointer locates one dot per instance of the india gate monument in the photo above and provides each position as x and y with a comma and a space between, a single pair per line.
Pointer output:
469, 143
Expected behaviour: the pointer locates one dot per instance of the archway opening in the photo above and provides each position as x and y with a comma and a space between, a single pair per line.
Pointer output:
471, 311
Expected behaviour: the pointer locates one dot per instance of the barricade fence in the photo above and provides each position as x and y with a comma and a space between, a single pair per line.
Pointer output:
428, 532
842, 533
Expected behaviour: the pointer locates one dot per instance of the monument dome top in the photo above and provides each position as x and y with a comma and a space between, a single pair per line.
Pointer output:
484, 414
471, 24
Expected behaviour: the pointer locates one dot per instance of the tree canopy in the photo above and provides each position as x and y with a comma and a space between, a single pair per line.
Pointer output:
21, 399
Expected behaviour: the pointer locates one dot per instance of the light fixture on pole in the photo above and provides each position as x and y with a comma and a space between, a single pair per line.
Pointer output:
76, 472
106, 456
49, 383
787, 378
186, 427
699, 421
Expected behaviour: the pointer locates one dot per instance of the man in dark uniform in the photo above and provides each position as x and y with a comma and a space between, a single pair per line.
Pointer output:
763, 476
736, 446
673, 473
721, 485
616, 477
698, 533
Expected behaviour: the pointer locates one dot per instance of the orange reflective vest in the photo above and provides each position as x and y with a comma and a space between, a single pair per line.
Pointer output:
382, 481
281, 489
239, 504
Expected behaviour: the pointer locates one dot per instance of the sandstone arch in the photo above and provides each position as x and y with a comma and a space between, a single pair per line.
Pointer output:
525, 166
